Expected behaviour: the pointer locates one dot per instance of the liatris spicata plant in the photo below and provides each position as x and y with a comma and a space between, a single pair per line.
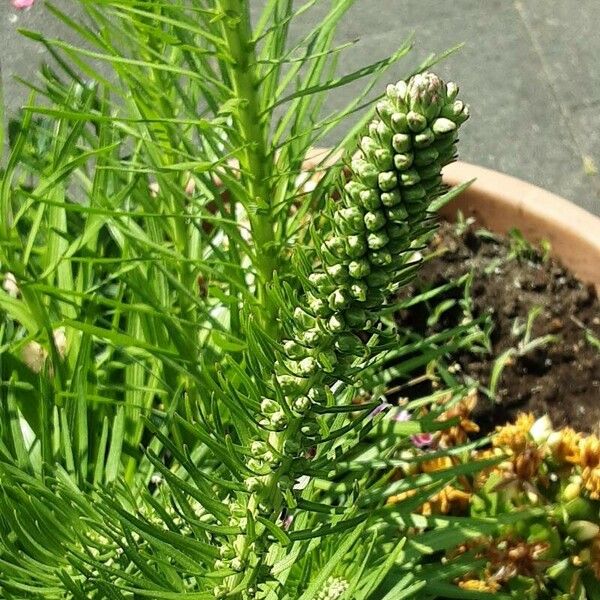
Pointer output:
190, 424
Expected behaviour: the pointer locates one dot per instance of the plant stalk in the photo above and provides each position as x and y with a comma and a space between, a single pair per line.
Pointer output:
253, 158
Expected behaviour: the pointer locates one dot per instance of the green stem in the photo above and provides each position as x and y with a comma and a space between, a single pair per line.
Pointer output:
254, 163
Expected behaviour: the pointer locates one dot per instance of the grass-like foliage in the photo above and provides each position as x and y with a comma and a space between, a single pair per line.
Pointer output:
188, 319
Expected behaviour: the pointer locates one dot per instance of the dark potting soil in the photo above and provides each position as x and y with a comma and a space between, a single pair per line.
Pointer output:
559, 377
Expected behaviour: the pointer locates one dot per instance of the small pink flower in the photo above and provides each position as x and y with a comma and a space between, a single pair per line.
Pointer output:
379, 409
402, 416
422, 440
21, 4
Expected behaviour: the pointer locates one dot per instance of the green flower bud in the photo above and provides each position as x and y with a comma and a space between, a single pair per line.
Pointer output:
370, 199
312, 337
426, 94
391, 92
432, 184
426, 156
357, 318
397, 214
319, 280
451, 91
384, 134
377, 240
409, 178
350, 344
338, 273
399, 245
237, 564
387, 180
293, 349
446, 142
291, 385
424, 139
403, 161
317, 306
381, 258
401, 142
310, 429
365, 171
307, 366
359, 269
378, 279
317, 395
292, 447
268, 406
258, 448
252, 484
442, 126
374, 220
278, 420
399, 123
398, 231
302, 405
359, 291
376, 299
356, 246
454, 110
384, 110
583, 531
339, 298
227, 552
353, 189
402, 88
327, 360
416, 121
413, 194
382, 158
463, 116
373, 128
432, 170
335, 245
336, 324
391, 198
303, 318
368, 145
353, 218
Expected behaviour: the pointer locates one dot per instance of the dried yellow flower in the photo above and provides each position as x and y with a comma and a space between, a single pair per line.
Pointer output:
401, 497
449, 500
514, 436
595, 556
459, 434
589, 452
504, 469
437, 464
591, 481
527, 463
477, 585
566, 448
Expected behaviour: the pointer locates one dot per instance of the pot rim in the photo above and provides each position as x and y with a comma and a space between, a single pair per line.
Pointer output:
501, 202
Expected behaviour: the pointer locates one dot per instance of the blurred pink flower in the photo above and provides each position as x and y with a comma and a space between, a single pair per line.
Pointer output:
422, 440
23, 3
402, 416
379, 409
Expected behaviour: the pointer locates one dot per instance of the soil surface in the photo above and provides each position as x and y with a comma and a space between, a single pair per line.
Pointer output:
558, 375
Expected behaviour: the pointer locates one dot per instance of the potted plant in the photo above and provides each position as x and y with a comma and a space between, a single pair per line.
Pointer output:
199, 354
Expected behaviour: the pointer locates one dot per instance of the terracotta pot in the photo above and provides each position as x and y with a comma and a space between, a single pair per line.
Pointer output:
500, 202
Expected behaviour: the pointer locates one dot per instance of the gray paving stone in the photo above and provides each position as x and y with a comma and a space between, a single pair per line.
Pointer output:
567, 34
